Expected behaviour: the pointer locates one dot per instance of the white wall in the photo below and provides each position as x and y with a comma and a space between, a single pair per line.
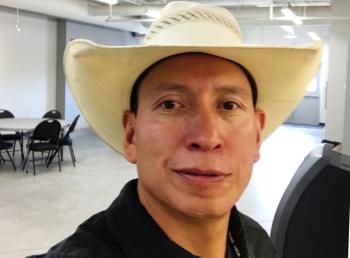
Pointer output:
27, 65
339, 44
99, 35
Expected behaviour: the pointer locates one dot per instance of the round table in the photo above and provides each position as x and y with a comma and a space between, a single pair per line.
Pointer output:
25, 124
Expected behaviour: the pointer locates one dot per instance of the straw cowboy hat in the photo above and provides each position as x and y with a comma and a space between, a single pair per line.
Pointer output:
101, 77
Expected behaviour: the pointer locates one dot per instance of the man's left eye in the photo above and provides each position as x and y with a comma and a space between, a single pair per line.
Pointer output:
229, 105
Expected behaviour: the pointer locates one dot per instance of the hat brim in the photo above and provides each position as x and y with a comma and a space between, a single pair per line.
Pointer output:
101, 78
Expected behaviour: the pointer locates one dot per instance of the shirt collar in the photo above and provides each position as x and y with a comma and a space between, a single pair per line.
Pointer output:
140, 236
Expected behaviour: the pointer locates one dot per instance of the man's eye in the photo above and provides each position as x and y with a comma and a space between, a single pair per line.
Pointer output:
229, 105
169, 104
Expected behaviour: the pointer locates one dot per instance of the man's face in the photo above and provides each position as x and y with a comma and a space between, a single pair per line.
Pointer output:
195, 137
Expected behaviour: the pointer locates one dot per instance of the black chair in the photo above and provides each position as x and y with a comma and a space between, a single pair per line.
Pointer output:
12, 137
54, 114
5, 146
45, 138
6, 114
67, 141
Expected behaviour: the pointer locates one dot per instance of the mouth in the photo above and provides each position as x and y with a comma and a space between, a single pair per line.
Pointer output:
201, 177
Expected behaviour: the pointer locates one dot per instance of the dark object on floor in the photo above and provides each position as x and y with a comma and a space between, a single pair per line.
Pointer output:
312, 219
334, 143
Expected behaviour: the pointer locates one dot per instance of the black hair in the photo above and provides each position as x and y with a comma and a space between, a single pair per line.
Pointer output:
137, 84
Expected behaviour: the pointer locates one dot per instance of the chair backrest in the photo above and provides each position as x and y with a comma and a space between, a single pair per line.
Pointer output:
72, 126
55, 114
6, 114
47, 130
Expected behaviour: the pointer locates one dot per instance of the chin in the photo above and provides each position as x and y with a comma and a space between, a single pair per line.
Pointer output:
207, 210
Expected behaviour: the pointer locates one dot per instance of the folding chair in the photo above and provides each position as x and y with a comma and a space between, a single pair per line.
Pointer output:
5, 146
45, 138
67, 141
12, 136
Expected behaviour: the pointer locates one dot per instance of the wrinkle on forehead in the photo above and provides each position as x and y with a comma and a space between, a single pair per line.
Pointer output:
221, 89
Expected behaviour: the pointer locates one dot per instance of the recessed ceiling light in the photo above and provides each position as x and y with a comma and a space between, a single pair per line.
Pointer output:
288, 13
110, 2
290, 36
152, 13
313, 36
287, 28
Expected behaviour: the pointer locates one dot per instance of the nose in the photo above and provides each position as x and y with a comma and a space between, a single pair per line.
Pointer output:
203, 132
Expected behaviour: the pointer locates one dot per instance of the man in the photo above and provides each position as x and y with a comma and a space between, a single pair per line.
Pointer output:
190, 108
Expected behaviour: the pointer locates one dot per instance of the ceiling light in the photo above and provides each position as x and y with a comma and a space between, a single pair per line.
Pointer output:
290, 36
110, 2
290, 30
313, 36
287, 28
152, 13
288, 13
18, 22
311, 3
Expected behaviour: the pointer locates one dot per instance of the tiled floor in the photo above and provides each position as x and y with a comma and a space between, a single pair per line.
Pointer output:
38, 211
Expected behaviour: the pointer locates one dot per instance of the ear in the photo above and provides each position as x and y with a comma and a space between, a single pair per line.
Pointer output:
260, 122
129, 136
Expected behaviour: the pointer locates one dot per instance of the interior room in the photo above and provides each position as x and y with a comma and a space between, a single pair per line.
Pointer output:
39, 208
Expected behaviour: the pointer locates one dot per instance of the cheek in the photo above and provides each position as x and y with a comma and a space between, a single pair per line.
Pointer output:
243, 137
243, 151
155, 138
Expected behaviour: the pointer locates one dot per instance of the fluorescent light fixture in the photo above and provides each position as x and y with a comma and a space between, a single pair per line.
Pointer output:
290, 30
152, 13
18, 22
311, 3
110, 2
288, 12
290, 36
313, 36
291, 16
287, 28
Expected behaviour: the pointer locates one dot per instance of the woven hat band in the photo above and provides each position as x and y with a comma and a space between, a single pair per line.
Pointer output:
186, 27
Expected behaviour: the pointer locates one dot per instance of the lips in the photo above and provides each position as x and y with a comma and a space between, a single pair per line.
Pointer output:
201, 176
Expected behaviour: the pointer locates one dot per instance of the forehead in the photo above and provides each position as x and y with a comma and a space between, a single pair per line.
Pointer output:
183, 61
195, 66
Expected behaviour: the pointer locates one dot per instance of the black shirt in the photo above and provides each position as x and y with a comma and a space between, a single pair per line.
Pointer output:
126, 230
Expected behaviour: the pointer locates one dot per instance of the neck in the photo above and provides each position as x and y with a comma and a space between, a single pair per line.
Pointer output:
202, 236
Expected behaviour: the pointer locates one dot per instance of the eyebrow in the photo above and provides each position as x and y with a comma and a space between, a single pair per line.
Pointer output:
233, 89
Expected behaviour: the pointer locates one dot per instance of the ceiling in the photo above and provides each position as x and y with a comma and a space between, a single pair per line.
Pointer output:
132, 15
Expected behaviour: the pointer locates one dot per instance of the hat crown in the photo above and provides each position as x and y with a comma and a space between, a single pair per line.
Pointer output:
189, 23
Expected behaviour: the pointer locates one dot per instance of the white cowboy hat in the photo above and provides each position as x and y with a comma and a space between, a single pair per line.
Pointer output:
101, 77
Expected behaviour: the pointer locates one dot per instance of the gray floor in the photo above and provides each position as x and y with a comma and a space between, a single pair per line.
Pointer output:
38, 211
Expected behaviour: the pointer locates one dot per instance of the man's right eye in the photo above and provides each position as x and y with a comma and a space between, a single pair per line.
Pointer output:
169, 104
